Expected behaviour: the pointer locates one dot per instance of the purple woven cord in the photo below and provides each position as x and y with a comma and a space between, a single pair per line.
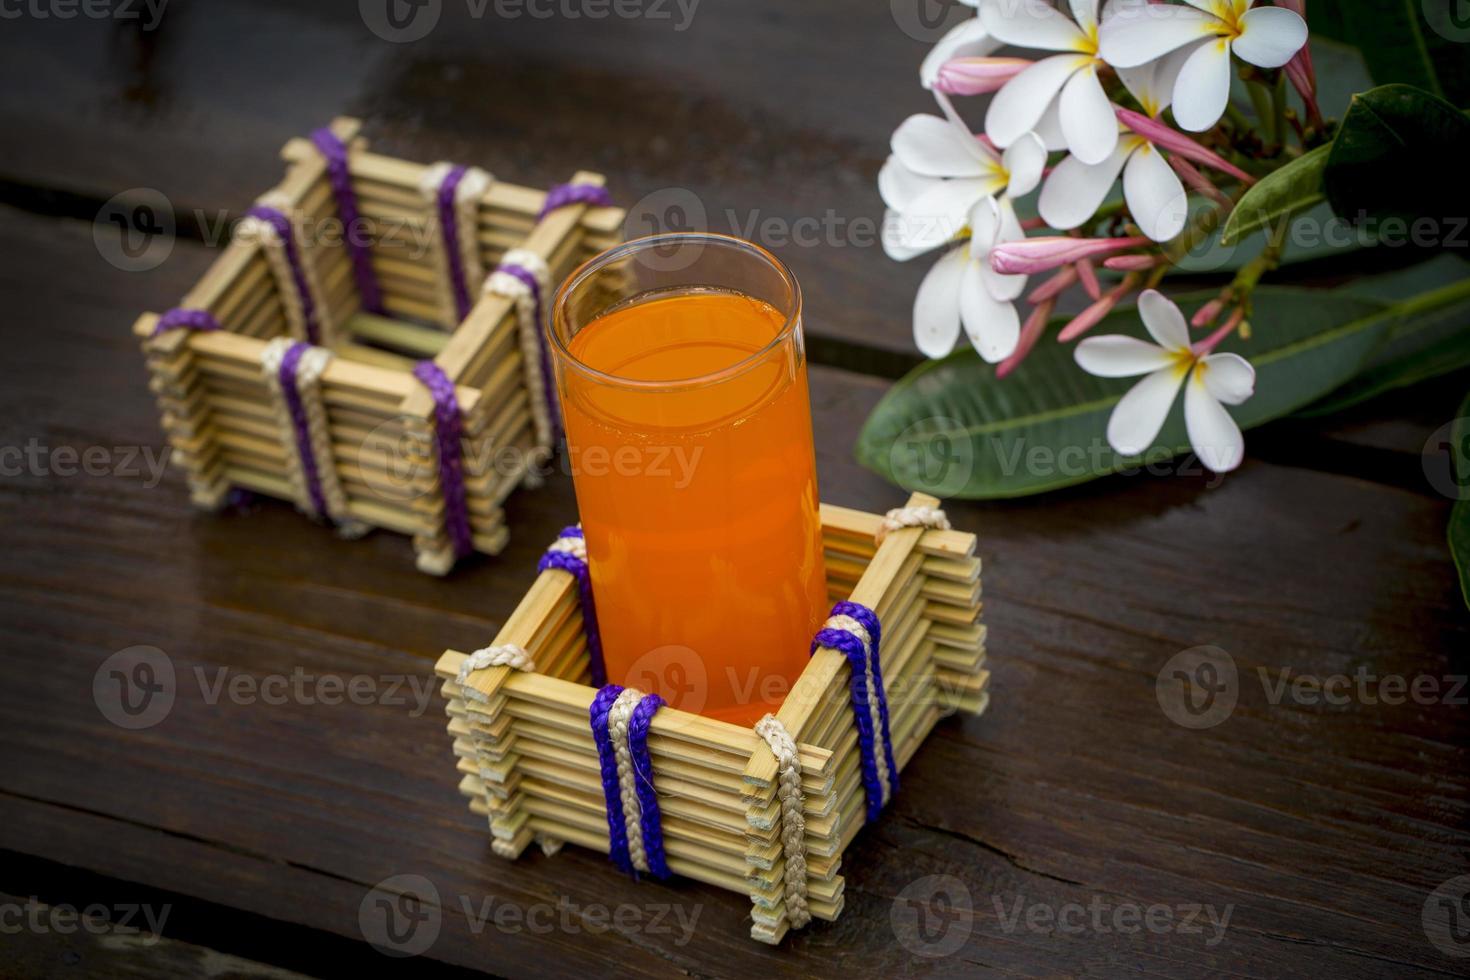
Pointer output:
449, 231
448, 429
563, 194
181, 318
283, 228
335, 152
578, 568
287, 376
650, 821
857, 659
548, 384
617, 829
870, 622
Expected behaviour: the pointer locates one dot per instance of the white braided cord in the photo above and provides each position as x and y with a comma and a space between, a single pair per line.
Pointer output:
849, 625
504, 284
504, 655
793, 816
902, 517
617, 731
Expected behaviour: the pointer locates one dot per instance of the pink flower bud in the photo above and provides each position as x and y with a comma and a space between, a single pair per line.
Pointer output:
1208, 313
1093, 315
1032, 255
1054, 285
977, 76
1130, 263
1176, 142
1088, 275
1030, 333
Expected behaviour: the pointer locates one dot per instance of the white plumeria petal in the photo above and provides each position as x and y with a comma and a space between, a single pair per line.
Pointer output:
1155, 194
1049, 128
937, 305
1228, 377
985, 224
968, 39
1024, 160
1140, 414
1084, 12
1213, 433
1001, 286
1164, 321
1153, 84
1020, 104
1137, 34
941, 211
935, 147
1029, 24
1203, 88
1088, 120
893, 245
1270, 36
1074, 191
993, 325
1118, 356
1216, 7
898, 185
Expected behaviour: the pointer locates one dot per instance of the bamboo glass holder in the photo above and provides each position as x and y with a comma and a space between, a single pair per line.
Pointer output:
528, 762
215, 404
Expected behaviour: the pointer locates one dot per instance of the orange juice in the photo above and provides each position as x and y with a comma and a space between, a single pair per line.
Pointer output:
696, 485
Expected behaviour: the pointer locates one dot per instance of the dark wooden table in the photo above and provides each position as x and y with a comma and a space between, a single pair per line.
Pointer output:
1092, 833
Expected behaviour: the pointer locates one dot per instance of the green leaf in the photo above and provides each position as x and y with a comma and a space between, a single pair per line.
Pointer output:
1288, 191
1399, 157
1390, 34
951, 429
1458, 531
1429, 338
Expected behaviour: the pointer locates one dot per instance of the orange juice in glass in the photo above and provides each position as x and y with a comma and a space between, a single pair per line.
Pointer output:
682, 375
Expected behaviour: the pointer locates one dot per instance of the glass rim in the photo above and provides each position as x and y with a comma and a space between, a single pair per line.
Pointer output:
701, 238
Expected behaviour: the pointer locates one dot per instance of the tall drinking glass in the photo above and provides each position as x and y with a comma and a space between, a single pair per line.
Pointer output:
682, 374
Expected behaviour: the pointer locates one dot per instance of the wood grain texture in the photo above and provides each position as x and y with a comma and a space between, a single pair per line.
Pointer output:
1323, 829
269, 827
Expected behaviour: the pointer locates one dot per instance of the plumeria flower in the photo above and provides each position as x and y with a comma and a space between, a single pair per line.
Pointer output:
967, 39
1137, 32
1155, 195
1061, 92
1215, 380
938, 172
963, 290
